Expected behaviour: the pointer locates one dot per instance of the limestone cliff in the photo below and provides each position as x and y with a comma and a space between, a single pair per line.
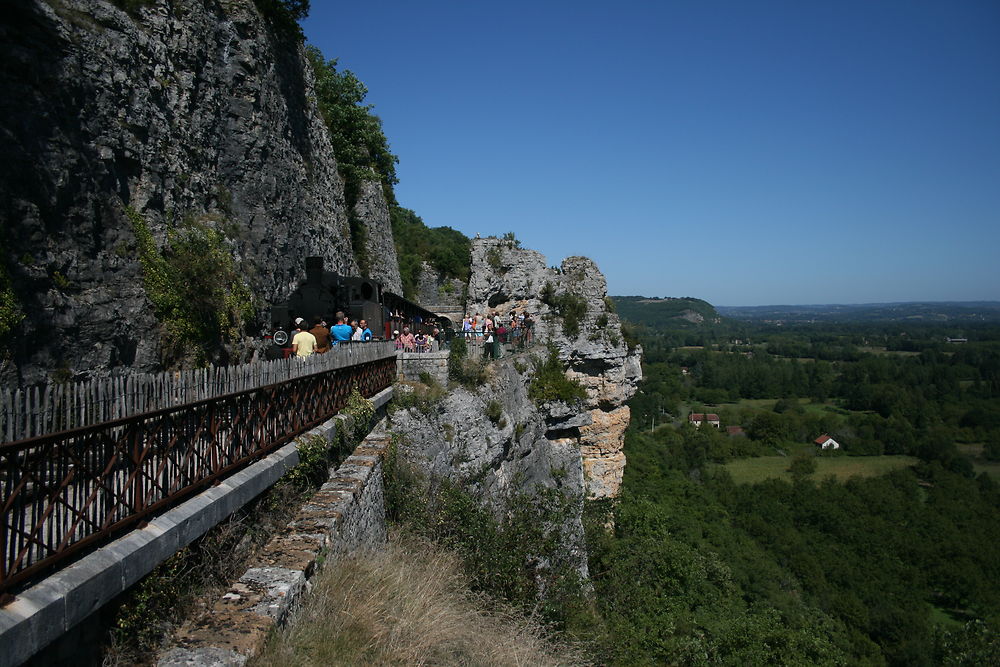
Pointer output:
180, 109
372, 211
507, 277
573, 447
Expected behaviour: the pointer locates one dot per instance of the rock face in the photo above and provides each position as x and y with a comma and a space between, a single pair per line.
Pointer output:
575, 448
380, 249
182, 109
444, 296
523, 449
506, 277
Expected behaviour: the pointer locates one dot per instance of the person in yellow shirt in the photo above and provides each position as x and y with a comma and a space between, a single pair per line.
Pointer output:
303, 343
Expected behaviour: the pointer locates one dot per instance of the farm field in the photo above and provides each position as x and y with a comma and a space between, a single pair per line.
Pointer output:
807, 405
753, 470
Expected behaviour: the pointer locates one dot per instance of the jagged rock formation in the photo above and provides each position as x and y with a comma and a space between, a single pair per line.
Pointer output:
182, 109
575, 447
506, 277
372, 210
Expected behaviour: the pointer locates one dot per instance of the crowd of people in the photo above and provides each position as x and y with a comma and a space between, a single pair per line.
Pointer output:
317, 338
491, 329
407, 341
515, 328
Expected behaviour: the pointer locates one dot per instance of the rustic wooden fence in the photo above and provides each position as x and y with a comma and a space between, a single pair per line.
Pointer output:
148, 445
27, 413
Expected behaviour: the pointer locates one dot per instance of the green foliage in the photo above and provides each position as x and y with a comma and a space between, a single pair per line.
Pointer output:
425, 397
194, 285
494, 258
362, 411
494, 411
11, 313
550, 382
359, 143
802, 466
283, 15
466, 372
313, 466
446, 249
515, 554
572, 308
855, 571
669, 312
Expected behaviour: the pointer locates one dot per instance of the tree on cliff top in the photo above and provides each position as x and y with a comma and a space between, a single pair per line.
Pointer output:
359, 143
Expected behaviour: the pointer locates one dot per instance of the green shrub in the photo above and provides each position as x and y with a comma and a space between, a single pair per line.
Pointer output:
494, 411
494, 258
550, 382
517, 554
466, 372
10, 308
362, 411
194, 285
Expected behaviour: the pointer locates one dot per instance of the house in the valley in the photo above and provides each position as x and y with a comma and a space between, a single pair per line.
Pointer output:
699, 418
826, 442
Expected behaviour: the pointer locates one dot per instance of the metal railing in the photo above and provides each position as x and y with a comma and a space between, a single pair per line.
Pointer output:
66, 492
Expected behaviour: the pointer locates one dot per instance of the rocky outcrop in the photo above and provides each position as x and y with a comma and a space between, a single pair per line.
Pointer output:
180, 109
574, 447
372, 212
506, 277
521, 449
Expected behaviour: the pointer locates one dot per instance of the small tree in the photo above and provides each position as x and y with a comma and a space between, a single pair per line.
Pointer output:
802, 466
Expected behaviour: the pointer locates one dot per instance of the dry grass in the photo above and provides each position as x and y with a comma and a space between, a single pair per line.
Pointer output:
408, 605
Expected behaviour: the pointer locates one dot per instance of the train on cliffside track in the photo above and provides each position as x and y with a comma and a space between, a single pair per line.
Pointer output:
324, 293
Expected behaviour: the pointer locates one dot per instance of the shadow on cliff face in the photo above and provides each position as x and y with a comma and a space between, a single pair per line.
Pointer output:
288, 60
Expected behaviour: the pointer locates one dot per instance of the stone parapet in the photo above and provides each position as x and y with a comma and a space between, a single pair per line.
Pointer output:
410, 365
346, 515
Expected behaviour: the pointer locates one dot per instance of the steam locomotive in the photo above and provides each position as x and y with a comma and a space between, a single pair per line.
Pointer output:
324, 293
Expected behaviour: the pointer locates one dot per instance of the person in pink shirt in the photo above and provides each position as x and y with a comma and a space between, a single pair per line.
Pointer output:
407, 340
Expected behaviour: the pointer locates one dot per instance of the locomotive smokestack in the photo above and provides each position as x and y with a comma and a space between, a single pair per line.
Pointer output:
314, 270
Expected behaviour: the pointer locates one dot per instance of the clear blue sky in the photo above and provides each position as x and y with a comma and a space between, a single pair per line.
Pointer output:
747, 153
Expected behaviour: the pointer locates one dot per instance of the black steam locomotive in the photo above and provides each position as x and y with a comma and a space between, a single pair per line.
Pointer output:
324, 293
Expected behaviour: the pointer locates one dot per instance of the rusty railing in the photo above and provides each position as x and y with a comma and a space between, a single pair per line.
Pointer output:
66, 492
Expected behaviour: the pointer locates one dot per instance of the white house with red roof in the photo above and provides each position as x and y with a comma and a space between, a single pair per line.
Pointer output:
826, 442
699, 418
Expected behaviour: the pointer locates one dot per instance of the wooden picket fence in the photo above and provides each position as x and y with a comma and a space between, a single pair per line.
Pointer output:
31, 412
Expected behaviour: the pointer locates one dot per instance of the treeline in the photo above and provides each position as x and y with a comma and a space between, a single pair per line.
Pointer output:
919, 403
900, 569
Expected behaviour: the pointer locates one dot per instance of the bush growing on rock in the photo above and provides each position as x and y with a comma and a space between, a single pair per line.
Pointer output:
550, 382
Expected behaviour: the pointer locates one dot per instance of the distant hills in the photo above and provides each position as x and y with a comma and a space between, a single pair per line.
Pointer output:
914, 311
666, 311
688, 311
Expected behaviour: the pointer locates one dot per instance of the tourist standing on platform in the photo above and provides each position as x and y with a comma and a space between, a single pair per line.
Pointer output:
341, 331
356, 331
322, 335
366, 333
407, 341
303, 343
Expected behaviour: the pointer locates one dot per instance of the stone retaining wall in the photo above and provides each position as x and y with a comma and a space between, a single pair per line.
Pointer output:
409, 365
346, 515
